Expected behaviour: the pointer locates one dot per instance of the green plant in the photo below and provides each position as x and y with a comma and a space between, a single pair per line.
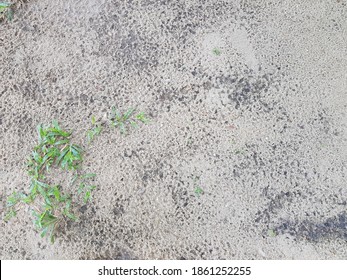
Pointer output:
87, 189
197, 190
84, 186
49, 203
4, 6
54, 148
216, 51
95, 131
128, 118
271, 233
6, 10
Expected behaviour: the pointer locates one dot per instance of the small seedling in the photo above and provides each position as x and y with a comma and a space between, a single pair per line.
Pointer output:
87, 189
271, 233
142, 118
85, 186
12, 202
216, 51
95, 131
122, 121
10, 214
198, 191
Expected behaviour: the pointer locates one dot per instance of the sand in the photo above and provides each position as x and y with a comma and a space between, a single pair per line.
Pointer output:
247, 101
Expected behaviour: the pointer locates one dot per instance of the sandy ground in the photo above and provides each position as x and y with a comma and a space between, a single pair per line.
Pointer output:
247, 96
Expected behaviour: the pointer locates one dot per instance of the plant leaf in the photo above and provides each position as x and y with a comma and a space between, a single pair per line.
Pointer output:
88, 175
10, 214
87, 196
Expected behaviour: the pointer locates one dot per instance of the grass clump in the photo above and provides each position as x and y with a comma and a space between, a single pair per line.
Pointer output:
48, 202
54, 148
